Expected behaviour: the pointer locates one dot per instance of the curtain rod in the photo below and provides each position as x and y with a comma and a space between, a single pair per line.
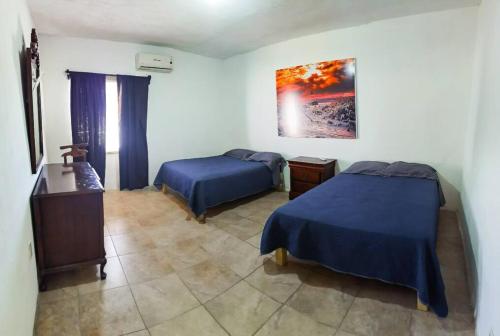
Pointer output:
68, 74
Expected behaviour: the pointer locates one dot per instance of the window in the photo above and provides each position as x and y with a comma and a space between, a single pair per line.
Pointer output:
112, 119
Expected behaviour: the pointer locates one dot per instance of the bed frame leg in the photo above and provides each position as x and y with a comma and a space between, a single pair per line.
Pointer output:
421, 306
164, 189
281, 186
281, 256
202, 218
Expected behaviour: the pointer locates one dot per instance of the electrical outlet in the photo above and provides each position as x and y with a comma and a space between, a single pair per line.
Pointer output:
30, 250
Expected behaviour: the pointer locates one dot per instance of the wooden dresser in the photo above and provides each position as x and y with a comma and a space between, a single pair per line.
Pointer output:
68, 219
306, 173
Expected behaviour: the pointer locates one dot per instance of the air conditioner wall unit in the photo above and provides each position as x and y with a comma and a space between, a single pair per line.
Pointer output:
151, 62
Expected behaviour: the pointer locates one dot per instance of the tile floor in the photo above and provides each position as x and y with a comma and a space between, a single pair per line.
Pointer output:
170, 275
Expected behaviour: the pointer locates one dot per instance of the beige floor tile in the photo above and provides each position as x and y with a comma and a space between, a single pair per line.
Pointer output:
58, 318
255, 240
165, 218
171, 234
110, 312
453, 274
186, 253
278, 282
116, 210
64, 293
132, 242
428, 324
148, 210
240, 256
343, 333
109, 247
289, 322
245, 210
208, 279
106, 231
242, 309
388, 293
244, 259
242, 228
264, 202
451, 253
139, 333
223, 217
260, 216
219, 241
147, 265
325, 298
62, 280
162, 299
373, 318
122, 225
83, 280
457, 295
195, 322
273, 200
88, 279
448, 226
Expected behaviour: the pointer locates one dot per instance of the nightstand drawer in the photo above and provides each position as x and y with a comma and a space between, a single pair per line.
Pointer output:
302, 187
305, 175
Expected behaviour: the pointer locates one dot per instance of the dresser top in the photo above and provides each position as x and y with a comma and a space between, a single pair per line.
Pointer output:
311, 160
77, 178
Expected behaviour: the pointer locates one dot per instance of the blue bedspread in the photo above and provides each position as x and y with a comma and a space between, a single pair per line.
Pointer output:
210, 181
372, 226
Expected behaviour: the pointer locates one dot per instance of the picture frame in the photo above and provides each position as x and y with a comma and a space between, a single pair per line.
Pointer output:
33, 103
318, 100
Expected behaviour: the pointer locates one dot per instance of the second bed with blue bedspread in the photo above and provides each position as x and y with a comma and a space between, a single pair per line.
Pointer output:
372, 226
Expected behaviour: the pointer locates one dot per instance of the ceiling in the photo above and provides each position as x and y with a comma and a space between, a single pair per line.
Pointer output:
217, 28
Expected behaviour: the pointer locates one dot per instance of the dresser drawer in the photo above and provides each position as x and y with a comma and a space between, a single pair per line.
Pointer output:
302, 187
305, 175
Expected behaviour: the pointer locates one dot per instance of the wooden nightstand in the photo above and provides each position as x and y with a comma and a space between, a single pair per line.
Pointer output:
307, 173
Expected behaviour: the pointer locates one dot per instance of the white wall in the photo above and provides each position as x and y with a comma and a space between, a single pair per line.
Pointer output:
185, 118
481, 182
413, 91
18, 284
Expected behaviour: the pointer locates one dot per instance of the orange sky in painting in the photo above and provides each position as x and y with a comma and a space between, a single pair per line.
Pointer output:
319, 81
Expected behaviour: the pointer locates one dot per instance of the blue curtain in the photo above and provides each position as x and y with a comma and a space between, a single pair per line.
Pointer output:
133, 106
88, 116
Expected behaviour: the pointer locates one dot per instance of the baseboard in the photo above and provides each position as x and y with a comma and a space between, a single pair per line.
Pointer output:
470, 260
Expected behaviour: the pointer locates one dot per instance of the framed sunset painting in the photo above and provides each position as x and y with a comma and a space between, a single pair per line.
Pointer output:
317, 100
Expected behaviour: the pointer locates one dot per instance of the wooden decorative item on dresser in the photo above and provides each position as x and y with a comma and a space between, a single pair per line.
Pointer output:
306, 173
68, 219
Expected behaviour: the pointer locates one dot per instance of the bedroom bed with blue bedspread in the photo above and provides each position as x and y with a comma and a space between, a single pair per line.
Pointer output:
210, 181
377, 223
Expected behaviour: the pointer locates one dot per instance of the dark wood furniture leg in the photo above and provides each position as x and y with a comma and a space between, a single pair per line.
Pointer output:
202, 218
103, 274
42, 286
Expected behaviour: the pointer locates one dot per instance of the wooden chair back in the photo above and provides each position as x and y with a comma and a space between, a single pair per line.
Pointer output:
77, 151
